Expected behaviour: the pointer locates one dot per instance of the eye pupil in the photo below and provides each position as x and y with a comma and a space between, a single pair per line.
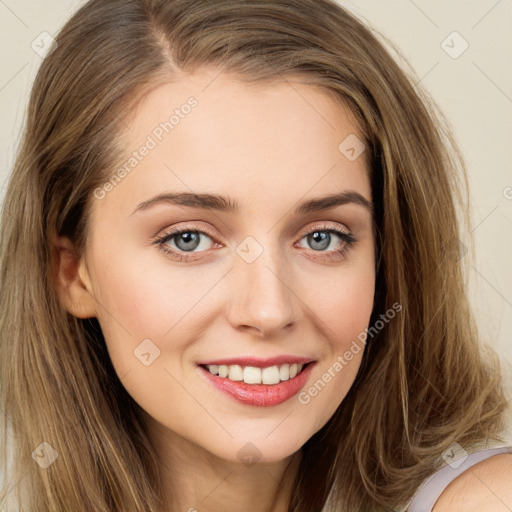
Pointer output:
321, 237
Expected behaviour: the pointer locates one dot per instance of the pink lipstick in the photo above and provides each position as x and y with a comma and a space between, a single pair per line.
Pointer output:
260, 395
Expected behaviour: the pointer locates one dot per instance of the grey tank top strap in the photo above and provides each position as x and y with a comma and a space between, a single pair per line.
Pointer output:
433, 487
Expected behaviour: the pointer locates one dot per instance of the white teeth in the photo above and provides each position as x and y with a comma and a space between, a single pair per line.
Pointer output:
253, 375
235, 372
270, 375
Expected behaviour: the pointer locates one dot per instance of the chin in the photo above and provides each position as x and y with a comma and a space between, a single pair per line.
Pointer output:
259, 447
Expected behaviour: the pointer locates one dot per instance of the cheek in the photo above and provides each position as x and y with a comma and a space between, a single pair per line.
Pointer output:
147, 316
138, 300
343, 309
343, 303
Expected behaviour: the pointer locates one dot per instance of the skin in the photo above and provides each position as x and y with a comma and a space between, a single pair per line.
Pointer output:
485, 487
267, 147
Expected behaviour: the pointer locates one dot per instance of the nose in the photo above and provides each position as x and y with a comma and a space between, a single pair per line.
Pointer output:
261, 296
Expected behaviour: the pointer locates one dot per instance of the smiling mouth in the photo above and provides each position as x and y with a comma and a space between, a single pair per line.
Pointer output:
269, 375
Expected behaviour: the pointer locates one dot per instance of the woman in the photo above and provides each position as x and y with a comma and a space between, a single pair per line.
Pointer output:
230, 273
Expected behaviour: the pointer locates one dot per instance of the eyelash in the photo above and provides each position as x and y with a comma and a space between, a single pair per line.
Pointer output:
348, 239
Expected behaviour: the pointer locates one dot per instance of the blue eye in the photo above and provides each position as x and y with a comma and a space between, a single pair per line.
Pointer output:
320, 239
185, 243
187, 240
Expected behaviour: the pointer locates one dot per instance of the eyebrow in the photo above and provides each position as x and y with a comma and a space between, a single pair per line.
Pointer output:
227, 205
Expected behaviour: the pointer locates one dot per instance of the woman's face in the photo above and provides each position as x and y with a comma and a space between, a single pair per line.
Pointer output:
258, 279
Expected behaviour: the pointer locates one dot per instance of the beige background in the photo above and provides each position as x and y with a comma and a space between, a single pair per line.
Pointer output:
474, 91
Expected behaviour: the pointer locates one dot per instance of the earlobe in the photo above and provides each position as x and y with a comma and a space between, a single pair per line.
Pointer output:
72, 280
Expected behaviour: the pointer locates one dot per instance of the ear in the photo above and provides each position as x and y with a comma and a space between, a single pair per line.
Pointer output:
72, 280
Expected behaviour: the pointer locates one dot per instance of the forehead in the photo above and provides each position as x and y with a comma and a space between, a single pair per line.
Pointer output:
211, 132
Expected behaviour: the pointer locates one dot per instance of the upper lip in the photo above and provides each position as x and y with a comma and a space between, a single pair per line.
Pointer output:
259, 362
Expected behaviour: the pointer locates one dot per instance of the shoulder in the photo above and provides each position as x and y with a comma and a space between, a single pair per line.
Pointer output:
484, 487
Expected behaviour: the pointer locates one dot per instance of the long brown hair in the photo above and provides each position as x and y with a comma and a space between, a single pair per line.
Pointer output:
423, 383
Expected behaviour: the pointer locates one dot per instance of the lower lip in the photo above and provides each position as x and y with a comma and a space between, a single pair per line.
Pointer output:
260, 395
